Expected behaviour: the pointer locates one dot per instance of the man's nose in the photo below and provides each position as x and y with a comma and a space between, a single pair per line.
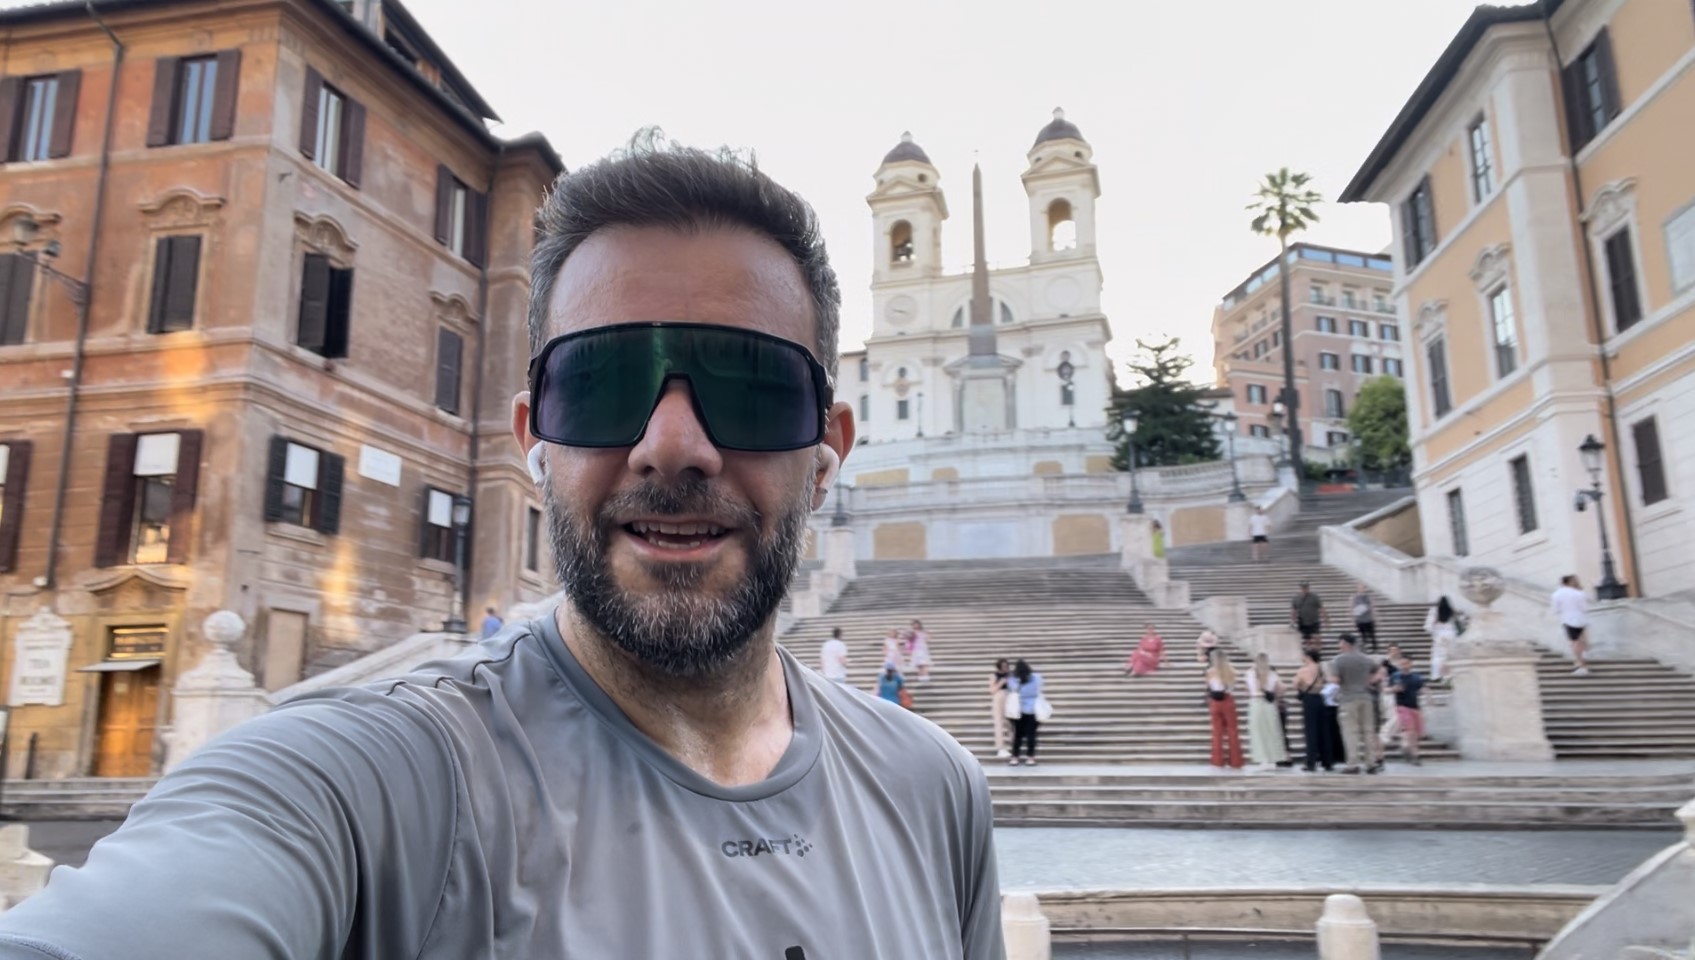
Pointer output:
675, 443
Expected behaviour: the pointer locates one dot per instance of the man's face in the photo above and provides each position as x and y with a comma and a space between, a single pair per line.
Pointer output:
681, 603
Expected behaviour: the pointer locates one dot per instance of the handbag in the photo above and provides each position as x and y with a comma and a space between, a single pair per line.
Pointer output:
906, 698
1044, 709
1011, 709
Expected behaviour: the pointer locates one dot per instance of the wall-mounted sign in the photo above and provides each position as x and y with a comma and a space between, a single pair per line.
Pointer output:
379, 465
137, 643
40, 650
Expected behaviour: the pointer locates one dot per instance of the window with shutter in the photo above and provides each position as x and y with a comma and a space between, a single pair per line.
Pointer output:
449, 358
117, 501
17, 282
176, 276
1524, 494
1650, 465
1505, 331
29, 124
154, 477
292, 483
1625, 295
14, 477
183, 495
314, 302
435, 540
194, 102
532, 540
309, 100
338, 318
11, 101
1456, 523
326, 518
1437, 356
1591, 91
226, 76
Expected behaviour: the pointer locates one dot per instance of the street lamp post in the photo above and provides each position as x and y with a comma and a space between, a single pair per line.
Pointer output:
921, 413
1129, 423
1066, 371
841, 516
461, 521
1229, 421
1277, 416
1609, 588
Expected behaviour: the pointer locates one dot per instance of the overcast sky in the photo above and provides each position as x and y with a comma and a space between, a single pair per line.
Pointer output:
1187, 105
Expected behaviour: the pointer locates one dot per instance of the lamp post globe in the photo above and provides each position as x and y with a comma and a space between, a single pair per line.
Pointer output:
1229, 422
1610, 587
1129, 421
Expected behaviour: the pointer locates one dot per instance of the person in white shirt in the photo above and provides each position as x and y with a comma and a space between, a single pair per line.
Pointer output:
1259, 526
834, 657
1572, 607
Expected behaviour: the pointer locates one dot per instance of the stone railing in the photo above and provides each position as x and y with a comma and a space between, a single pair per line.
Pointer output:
1617, 629
391, 661
1646, 915
1201, 479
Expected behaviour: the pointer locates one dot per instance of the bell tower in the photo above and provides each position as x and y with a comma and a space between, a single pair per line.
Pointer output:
1063, 184
907, 210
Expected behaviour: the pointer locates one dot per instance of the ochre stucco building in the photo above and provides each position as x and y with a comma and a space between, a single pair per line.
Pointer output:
263, 299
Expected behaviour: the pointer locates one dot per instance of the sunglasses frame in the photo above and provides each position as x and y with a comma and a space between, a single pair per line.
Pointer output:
820, 384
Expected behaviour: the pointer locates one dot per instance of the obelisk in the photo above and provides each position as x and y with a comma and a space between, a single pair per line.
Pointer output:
985, 396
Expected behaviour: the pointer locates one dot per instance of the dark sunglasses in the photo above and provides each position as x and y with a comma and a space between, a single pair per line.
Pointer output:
752, 391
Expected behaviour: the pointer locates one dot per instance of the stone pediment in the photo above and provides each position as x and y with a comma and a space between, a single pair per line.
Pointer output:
1008, 364
136, 588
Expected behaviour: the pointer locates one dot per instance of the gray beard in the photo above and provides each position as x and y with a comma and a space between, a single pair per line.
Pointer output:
680, 632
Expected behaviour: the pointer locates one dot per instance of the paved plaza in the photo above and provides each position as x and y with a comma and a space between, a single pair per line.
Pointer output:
1269, 950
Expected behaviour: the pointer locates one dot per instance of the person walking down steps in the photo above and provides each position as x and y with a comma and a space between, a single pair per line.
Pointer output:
1442, 623
1572, 607
1365, 617
1259, 527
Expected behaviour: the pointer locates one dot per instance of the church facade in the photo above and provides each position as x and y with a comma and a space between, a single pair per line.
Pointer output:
1021, 359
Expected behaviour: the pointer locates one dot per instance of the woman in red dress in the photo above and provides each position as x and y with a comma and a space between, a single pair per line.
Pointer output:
1148, 656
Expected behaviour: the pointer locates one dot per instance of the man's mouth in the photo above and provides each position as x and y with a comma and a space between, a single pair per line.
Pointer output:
680, 535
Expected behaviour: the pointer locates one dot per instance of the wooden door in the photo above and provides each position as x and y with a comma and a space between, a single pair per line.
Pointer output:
129, 710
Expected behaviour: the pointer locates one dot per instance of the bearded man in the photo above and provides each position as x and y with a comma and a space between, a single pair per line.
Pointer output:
644, 773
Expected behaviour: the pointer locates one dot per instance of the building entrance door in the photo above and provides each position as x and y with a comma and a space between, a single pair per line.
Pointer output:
129, 711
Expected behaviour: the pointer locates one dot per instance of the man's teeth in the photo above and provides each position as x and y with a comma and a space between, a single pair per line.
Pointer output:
646, 528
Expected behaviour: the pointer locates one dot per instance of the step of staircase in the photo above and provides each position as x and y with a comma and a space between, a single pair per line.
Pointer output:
73, 798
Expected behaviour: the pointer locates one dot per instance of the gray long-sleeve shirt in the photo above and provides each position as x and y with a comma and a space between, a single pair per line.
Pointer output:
500, 805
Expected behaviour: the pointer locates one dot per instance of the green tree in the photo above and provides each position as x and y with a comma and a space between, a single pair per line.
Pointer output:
1174, 424
1282, 207
1379, 424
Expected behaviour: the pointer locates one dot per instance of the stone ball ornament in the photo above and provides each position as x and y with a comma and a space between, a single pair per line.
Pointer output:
224, 628
1482, 585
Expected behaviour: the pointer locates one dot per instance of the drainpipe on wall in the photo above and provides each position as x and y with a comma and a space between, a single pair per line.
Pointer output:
482, 361
1621, 495
84, 300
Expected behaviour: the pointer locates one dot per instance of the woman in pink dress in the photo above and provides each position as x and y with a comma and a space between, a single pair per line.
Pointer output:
1149, 655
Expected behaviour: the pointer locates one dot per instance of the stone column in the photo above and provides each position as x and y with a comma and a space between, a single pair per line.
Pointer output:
1024, 928
1346, 931
1497, 701
839, 553
22, 870
215, 695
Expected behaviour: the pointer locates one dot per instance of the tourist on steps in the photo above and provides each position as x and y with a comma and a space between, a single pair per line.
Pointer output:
1354, 671
1148, 656
1365, 617
1388, 719
1259, 527
1024, 686
1407, 686
1317, 726
918, 650
1265, 725
1221, 706
1572, 607
997, 696
1205, 645
1443, 626
894, 650
1307, 614
834, 657
891, 685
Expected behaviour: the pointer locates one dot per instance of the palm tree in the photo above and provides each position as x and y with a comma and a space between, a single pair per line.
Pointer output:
1283, 207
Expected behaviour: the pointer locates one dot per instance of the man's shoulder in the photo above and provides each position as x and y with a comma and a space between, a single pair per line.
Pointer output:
889, 738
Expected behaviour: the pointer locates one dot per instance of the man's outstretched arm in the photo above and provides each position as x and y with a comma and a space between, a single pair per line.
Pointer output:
297, 833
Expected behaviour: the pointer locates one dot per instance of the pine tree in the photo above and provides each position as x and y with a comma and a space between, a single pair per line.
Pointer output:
1174, 424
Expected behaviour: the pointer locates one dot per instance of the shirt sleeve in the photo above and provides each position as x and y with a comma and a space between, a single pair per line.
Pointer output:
980, 918
315, 831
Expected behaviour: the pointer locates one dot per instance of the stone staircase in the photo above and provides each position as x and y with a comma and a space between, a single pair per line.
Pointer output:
1624, 709
1599, 798
73, 798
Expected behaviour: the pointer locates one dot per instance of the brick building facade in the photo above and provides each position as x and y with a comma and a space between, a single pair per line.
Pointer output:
263, 279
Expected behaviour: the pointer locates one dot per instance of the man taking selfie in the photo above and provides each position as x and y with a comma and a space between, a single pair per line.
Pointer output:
643, 773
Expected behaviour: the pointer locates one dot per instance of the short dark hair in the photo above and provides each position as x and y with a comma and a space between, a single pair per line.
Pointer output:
1349, 639
654, 183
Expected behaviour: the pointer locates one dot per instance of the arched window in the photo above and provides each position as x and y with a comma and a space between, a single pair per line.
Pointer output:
1062, 229
900, 242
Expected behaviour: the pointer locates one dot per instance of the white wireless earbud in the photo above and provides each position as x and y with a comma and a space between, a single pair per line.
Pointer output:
536, 473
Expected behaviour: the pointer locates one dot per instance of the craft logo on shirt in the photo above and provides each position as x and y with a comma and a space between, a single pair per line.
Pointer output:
791, 845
